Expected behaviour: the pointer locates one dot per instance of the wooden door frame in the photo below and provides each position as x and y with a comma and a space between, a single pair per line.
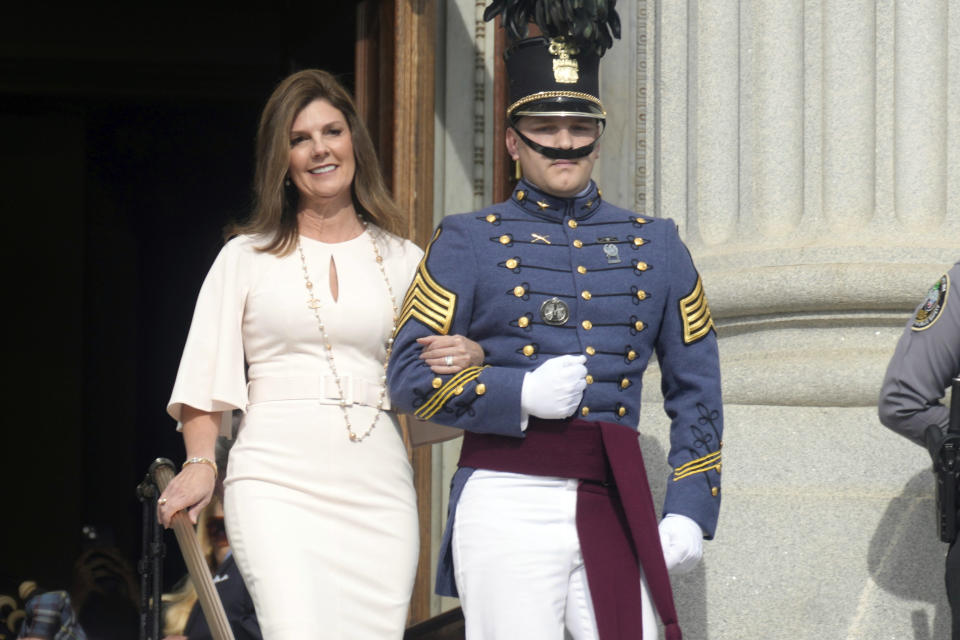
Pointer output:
395, 93
395, 75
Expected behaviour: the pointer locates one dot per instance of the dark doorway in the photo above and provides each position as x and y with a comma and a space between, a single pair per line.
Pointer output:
128, 138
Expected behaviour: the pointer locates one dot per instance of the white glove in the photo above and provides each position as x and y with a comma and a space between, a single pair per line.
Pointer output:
682, 542
553, 390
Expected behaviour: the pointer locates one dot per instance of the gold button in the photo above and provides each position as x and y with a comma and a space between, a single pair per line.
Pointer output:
641, 295
641, 266
589, 379
505, 239
714, 491
458, 390
491, 218
631, 355
586, 324
639, 325
521, 194
572, 224
622, 411
519, 291
590, 351
437, 383
641, 221
585, 411
523, 322
581, 269
638, 242
600, 193
577, 243
586, 295
512, 263
481, 389
528, 350
624, 383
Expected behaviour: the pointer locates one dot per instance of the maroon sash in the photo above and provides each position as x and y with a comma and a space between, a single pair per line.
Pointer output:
616, 520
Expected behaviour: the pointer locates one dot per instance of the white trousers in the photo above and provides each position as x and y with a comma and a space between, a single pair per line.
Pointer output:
517, 560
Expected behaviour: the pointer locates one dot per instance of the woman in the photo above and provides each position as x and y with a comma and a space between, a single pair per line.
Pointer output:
320, 505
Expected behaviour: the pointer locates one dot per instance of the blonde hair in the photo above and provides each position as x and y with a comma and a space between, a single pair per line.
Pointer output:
180, 602
275, 209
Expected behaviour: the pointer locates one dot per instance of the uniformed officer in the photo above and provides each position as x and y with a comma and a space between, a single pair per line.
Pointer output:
926, 360
551, 520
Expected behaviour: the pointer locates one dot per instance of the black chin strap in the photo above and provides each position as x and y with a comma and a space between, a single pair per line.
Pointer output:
558, 154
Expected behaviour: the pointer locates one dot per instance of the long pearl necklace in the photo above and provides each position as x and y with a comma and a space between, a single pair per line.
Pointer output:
314, 304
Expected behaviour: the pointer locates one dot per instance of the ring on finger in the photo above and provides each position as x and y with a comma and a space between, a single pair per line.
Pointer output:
448, 360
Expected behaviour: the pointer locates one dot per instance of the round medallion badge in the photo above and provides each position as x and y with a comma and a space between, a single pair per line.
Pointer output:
554, 312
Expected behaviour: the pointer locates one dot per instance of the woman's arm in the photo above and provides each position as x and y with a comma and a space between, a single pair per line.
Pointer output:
192, 488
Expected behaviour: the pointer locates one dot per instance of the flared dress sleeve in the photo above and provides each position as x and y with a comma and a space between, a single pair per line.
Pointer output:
212, 375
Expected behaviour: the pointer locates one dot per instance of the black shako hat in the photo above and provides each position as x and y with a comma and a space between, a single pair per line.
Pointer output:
553, 77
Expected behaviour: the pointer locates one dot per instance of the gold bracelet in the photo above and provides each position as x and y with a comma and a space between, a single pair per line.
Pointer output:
202, 460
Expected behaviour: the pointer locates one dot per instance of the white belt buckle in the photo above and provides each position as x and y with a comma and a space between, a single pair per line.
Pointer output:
346, 385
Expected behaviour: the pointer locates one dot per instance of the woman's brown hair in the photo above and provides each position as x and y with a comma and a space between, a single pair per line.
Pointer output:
275, 207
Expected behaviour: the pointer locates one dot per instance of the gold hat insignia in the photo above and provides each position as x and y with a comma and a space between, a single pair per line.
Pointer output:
566, 70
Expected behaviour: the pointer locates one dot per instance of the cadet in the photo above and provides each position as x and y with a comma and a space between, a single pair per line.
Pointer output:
926, 360
550, 511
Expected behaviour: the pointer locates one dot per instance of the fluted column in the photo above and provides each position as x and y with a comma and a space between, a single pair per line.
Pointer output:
810, 151
716, 129
773, 116
803, 149
849, 107
921, 111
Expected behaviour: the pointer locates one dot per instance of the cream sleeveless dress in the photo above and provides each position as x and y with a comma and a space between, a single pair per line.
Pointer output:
324, 529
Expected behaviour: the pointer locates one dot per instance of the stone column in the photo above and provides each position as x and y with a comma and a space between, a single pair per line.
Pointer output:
809, 153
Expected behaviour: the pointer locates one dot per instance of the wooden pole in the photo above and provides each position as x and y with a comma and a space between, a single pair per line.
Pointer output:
196, 564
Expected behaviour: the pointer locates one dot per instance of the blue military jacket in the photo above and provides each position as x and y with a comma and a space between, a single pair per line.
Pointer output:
537, 277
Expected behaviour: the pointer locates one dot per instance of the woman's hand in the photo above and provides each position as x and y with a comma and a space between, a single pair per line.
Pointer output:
190, 489
450, 354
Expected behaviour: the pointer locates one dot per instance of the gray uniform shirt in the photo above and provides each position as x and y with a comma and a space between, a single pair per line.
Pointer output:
926, 360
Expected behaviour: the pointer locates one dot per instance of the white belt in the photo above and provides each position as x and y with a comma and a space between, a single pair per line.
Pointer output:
321, 388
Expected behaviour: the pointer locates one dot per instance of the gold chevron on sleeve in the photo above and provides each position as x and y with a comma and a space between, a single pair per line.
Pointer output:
453, 387
695, 313
426, 300
706, 463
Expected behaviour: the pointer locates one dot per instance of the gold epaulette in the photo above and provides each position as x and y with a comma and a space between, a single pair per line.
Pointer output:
426, 300
706, 463
453, 387
695, 313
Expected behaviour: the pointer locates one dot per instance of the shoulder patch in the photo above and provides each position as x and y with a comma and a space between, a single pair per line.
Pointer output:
695, 314
934, 304
426, 300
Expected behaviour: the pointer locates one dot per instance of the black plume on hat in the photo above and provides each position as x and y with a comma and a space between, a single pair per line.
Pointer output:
591, 24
